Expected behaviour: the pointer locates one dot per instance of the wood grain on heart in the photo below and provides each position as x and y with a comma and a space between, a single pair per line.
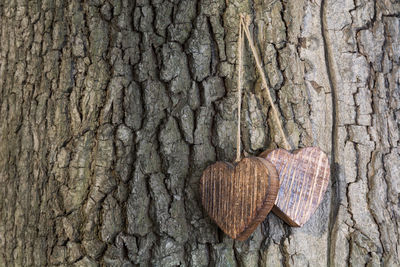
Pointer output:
239, 197
304, 177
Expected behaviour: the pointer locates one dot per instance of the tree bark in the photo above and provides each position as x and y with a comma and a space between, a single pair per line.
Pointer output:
110, 111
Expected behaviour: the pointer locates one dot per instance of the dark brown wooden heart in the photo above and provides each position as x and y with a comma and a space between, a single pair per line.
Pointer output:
239, 197
304, 177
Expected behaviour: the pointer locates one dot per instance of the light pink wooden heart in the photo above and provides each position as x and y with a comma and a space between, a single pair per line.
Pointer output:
303, 177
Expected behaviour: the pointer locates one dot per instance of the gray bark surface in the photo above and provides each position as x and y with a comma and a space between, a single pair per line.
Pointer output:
110, 111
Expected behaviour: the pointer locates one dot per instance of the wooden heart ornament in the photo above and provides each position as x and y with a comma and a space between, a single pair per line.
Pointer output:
304, 177
239, 197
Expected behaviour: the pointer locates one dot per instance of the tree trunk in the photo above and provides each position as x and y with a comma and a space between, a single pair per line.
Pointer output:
111, 109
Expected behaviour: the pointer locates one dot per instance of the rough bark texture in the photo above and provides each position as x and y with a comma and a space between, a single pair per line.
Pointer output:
111, 110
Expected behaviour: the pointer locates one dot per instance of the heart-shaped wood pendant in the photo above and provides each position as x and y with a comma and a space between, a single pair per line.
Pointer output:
239, 197
304, 177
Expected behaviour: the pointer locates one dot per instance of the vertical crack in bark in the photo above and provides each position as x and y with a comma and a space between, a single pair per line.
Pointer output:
334, 150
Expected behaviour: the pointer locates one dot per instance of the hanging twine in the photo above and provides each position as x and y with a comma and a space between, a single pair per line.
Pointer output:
245, 24
244, 28
239, 86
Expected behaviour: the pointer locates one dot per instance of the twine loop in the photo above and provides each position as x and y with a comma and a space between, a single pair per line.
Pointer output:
244, 23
